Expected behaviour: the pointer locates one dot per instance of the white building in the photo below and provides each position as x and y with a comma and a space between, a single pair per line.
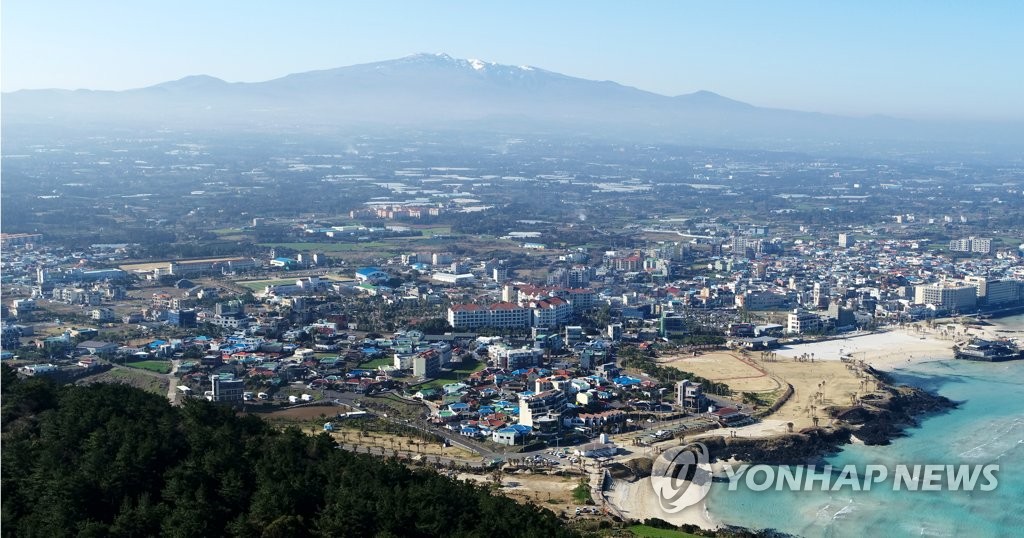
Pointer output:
799, 321
947, 296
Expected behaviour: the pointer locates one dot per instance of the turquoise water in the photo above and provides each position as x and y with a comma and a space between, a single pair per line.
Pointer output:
988, 427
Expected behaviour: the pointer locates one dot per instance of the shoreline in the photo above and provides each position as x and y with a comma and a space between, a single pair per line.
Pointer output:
874, 422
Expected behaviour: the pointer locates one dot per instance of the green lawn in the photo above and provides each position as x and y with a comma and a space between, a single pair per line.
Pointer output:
383, 361
654, 532
454, 376
160, 367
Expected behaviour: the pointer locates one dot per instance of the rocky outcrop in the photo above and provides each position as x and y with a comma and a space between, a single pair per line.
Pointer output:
808, 445
886, 415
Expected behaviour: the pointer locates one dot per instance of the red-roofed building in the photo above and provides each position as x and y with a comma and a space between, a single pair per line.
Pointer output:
499, 315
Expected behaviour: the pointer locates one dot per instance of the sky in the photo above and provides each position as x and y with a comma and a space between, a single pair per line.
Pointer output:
915, 59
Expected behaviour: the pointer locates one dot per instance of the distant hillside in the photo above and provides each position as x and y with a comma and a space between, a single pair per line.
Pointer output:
111, 460
437, 91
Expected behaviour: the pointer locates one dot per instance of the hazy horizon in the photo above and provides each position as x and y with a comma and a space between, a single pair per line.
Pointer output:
913, 60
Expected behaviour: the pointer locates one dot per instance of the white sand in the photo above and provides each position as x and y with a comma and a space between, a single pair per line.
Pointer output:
637, 500
882, 350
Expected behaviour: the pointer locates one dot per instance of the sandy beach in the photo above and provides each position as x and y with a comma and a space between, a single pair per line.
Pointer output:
638, 500
881, 350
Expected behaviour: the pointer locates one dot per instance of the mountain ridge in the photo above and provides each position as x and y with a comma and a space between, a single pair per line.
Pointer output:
430, 90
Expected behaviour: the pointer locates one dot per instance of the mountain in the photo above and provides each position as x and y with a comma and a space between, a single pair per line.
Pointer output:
440, 92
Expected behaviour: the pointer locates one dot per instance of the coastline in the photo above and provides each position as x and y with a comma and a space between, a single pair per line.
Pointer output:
870, 422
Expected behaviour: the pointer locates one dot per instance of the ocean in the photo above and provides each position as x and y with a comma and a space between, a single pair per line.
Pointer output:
987, 428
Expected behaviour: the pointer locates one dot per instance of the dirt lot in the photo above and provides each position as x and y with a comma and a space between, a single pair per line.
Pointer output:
304, 414
726, 366
832, 379
551, 492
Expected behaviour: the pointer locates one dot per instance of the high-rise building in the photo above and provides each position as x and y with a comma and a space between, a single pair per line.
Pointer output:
947, 296
844, 240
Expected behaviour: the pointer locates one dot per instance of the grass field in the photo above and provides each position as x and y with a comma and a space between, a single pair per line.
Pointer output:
383, 361
654, 532
454, 376
160, 367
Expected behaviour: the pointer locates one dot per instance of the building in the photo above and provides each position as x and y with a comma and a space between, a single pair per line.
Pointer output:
759, 300
995, 292
800, 321
574, 334
8, 241
193, 268
182, 318
514, 358
225, 388
690, 395
971, 244
1002, 292
543, 410
672, 324
497, 315
371, 275
461, 279
842, 316
551, 312
845, 241
427, 364
820, 295
947, 296
93, 347
511, 435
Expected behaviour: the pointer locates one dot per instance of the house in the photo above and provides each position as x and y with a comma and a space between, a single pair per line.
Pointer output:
511, 435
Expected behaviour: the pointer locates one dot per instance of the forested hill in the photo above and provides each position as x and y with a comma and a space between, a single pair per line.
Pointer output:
111, 460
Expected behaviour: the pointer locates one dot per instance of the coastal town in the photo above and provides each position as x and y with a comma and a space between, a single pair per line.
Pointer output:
574, 360
452, 317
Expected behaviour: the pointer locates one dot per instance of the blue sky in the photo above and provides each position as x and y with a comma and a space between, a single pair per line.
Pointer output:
936, 59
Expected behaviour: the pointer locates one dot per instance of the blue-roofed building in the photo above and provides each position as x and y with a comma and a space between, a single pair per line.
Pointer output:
459, 407
511, 435
626, 381
470, 431
371, 274
286, 263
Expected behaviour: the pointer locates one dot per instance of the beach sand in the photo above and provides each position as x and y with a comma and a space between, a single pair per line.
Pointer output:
882, 350
638, 500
